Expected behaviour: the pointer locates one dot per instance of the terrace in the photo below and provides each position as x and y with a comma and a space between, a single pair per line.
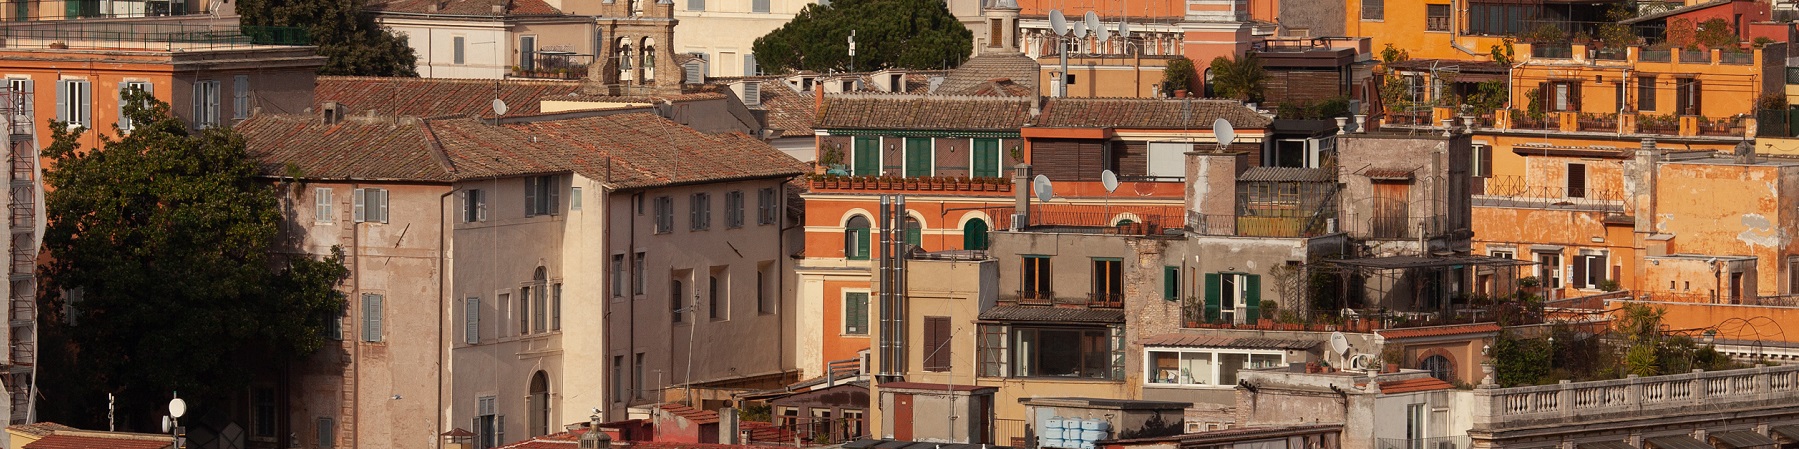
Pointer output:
155, 34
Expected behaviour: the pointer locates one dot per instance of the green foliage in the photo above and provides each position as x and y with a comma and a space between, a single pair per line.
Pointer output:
1546, 33
1533, 106
1716, 33
1614, 33
1502, 52
347, 36
1519, 361
1772, 101
1490, 96
1242, 79
170, 245
1306, 110
1392, 54
756, 413
1761, 41
913, 34
1179, 74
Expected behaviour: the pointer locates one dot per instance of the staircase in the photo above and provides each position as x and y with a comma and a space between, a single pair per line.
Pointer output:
22, 205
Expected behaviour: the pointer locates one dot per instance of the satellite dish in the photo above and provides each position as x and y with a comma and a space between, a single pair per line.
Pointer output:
1093, 21
177, 407
166, 425
1124, 29
1359, 361
1339, 343
1222, 130
1057, 23
1101, 31
1080, 29
499, 107
1041, 186
1109, 179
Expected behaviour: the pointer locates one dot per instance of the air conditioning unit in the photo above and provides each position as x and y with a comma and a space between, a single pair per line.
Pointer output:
1018, 223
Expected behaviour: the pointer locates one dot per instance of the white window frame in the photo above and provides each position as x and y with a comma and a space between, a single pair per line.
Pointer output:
206, 103
78, 100
1557, 273
1150, 377
574, 198
125, 87
474, 202
322, 212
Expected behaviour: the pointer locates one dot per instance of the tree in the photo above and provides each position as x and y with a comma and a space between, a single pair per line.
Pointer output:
1178, 75
913, 34
1243, 79
163, 271
347, 36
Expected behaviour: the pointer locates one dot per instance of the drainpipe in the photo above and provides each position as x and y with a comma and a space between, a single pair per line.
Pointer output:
442, 222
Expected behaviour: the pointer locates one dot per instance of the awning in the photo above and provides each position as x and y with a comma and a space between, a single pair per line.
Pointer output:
1741, 439
1789, 431
1675, 442
1609, 444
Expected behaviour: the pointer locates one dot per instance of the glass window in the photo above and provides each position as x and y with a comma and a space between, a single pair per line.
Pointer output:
1204, 367
855, 238
855, 313
1063, 352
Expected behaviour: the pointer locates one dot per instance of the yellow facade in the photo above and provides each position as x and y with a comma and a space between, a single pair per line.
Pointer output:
1407, 25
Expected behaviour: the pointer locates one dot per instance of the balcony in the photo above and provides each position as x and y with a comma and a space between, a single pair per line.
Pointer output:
1096, 218
1249, 226
1515, 191
1092, 300
1689, 395
875, 184
553, 64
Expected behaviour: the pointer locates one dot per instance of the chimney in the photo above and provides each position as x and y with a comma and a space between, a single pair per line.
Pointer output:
1212, 188
595, 438
1021, 191
499, 10
727, 426
1745, 152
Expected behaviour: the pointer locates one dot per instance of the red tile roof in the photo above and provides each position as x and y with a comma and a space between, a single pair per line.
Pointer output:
935, 112
38, 429
560, 440
1414, 385
368, 150
468, 7
1440, 331
437, 97
789, 110
1145, 113
1223, 339
93, 440
974, 74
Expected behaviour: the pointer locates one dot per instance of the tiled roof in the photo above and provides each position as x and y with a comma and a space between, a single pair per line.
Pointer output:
559, 440
438, 97
38, 429
468, 7
1414, 385
906, 111
1387, 173
1202, 340
91, 440
979, 70
695, 415
1052, 314
1287, 174
624, 150
1004, 87
1146, 114
789, 110
1439, 331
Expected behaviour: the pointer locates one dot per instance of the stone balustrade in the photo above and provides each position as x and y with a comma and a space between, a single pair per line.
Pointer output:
1569, 403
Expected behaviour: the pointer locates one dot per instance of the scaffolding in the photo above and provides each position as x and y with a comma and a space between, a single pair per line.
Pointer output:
25, 222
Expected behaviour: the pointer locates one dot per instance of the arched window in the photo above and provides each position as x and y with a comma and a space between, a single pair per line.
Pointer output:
974, 234
1439, 367
540, 300
855, 238
914, 232
1208, 90
540, 404
649, 59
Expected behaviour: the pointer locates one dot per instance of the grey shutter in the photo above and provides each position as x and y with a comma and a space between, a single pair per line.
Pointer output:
85, 104
695, 72
240, 98
468, 207
383, 194
199, 104
471, 321
361, 213
531, 196
124, 122
371, 317
62, 100
499, 429
555, 190
749, 60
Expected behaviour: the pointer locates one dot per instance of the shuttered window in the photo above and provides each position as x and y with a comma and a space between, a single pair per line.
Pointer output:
371, 317
370, 205
240, 97
1171, 283
866, 156
74, 102
986, 158
918, 157
321, 206
471, 320
937, 343
206, 103
855, 313
125, 88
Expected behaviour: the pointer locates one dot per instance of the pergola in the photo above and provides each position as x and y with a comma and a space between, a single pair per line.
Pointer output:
1434, 281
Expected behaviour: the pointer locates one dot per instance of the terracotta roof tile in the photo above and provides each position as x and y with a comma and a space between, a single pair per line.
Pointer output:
645, 150
789, 110
695, 415
1052, 314
38, 429
1146, 114
974, 73
907, 111
93, 440
1439, 331
437, 97
369, 150
1414, 385
469, 7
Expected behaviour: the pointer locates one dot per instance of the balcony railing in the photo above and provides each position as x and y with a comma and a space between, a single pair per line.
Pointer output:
1574, 403
1104, 300
1131, 220
1251, 226
1648, 55
149, 36
1395, 226
1111, 300
1695, 57
555, 65
1552, 51
1736, 58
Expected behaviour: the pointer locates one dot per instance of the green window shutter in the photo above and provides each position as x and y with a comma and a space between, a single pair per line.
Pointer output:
862, 244
1252, 302
1171, 283
1214, 284
986, 158
974, 235
855, 313
913, 236
918, 156
867, 156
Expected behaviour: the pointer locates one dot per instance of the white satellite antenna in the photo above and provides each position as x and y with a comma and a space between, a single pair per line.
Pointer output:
1109, 179
1057, 23
1080, 30
1224, 133
1339, 343
499, 107
1099, 29
1092, 20
1042, 188
1124, 29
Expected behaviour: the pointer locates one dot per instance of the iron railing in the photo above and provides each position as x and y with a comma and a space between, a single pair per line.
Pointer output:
1648, 55
1695, 57
1736, 58
147, 36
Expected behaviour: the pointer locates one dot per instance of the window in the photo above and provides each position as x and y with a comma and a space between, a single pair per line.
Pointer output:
618, 378
1549, 269
1233, 298
1618, 95
240, 97
262, 399
637, 376
206, 103
527, 53
665, 214
766, 206
1436, 17
734, 209
914, 232
1414, 424
1037, 279
371, 317
974, 234
1561, 95
539, 303
1502, 254
125, 90
474, 206
471, 320
327, 436
696, 5
370, 205
1686, 96
574, 198
618, 276
1373, 10
489, 428
456, 49
1108, 280
937, 336
556, 307
74, 102
757, 6
1203, 366
1577, 180
1171, 283
637, 273
1645, 93
716, 303
540, 195
1589, 270
675, 299
321, 205
855, 238
1065, 352
1438, 366
699, 212
1483, 162
918, 157
866, 158
991, 351
501, 302
764, 301
986, 158
855, 313
335, 329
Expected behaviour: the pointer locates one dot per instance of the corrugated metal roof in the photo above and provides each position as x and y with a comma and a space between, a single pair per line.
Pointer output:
1287, 174
1791, 431
1676, 442
1742, 439
1197, 340
1052, 314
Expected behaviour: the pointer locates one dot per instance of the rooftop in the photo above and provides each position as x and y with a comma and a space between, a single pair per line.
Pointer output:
436, 97
486, 8
1141, 113
191, 33
932, 112
975, 74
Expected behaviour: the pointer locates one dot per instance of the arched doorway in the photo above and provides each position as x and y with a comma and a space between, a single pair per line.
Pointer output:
540, 404
974, 234
1438, 366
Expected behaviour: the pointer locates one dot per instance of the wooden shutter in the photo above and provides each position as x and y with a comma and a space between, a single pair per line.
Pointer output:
1545, 96
62, 100
918, 157
862, 238
986, 158
1698, 98
1596, 269
867, 156
84, 104
1574, 96
382, 195
471, 320
937, 343
555, 190
361, 207
1252, 298
124, 121
530, 196
371, 317
1214, 286
1579, 277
